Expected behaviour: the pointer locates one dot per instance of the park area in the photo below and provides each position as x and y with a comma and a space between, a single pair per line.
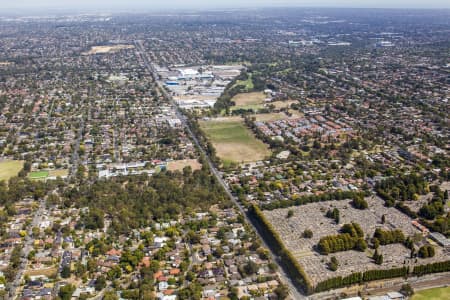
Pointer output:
433, 294
10, 168
233, 141
44, 174
38, 175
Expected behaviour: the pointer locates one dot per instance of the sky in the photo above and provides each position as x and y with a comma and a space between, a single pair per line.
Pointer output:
211, 4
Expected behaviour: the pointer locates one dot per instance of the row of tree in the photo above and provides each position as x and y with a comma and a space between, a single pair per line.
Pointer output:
437, 267
297, 201
357, 278
291, 264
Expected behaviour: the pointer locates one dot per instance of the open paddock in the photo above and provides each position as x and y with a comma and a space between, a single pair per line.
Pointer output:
283, 104
233, 141
107, 49
245, 99
179, 165
10, 168
277, 116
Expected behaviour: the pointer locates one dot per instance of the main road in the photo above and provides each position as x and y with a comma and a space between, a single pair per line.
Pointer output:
140, 51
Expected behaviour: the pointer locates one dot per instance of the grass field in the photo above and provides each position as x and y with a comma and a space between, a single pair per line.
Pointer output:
247, 83
178, 165
433, 294
38, 175
233, 141
244, 99
10, 168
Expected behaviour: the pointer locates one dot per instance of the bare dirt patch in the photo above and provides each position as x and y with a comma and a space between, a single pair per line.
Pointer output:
107, 49
178, 165
249, 98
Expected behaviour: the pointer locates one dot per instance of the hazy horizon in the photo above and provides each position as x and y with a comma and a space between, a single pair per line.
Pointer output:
19, 6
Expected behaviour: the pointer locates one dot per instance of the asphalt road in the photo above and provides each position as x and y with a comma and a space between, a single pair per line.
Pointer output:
294, 293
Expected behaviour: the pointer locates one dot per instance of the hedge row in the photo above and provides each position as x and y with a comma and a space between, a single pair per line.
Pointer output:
437, 267
292, 266
357, 278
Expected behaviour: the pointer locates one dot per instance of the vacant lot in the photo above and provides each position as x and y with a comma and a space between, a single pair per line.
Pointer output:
10, 168
49, 272
245, 99
61, 173
283, 104
233, 141
312, 216
433, 294
178, 165
107, 49
277, 116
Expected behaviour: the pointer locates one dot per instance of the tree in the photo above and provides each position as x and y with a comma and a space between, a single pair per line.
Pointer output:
233, 294
359, 203
250, 268
66, 291
378, 258
282, 291
333, 214
65, 272
290, 213
307, 234
407, 290
426, 251
333, 264
100, 283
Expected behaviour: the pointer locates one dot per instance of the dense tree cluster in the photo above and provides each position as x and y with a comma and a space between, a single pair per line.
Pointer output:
402, 188
385, 237
351, 238
435, 207
133, 202
426, 251
359, 203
